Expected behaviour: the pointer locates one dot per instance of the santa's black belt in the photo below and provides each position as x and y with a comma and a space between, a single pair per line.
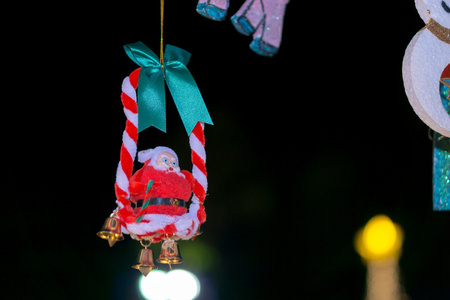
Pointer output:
163, 201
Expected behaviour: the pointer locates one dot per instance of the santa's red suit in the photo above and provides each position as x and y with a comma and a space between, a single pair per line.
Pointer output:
166, 185
171, 187
167, 210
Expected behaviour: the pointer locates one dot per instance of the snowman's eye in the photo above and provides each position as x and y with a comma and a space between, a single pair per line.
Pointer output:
445, 7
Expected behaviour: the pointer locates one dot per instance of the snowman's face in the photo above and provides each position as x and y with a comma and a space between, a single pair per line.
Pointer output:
439, 10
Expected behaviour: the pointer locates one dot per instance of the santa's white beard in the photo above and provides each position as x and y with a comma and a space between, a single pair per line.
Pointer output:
161, 168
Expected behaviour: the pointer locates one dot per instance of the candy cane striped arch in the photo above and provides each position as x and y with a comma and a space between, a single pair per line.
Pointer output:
153, 225
129, 137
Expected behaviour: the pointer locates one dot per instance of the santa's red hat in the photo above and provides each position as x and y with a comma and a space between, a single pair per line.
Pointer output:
153, 153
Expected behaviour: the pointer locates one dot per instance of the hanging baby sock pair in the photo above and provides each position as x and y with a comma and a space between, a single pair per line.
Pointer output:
262, 18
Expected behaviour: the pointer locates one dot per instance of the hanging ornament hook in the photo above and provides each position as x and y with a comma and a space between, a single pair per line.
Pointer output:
145, 245
161, 51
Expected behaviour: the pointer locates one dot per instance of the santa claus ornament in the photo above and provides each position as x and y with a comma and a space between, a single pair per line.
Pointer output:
426, 73
159, 202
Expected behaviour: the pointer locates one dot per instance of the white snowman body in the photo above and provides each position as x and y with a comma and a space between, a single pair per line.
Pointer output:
425, 59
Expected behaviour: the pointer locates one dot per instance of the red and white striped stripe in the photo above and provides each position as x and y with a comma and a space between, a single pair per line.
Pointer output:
198, 157
129, 138
185, 226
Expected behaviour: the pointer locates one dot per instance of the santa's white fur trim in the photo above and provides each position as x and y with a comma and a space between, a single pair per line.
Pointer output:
155, 222
186, 224
152, 154
145, 155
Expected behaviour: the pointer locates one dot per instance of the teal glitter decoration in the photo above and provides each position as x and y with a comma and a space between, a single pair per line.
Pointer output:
441, 159
441, 172
444, 91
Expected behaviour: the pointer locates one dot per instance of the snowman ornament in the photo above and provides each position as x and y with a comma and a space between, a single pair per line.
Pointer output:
426, 59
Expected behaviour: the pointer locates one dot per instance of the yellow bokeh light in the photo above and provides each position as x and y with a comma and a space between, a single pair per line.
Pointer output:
379, 239
379, 235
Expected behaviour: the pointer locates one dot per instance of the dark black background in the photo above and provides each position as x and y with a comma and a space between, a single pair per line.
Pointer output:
306, 147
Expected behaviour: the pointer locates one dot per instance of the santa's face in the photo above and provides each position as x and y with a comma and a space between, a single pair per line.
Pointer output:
167, 161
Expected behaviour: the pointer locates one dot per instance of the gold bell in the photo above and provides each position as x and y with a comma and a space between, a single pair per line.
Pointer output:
145, 261
170, 253
111, 231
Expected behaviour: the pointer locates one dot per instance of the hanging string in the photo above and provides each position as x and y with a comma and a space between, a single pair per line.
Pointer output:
161, 52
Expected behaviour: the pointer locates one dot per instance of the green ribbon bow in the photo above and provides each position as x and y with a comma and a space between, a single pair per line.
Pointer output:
182, 86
